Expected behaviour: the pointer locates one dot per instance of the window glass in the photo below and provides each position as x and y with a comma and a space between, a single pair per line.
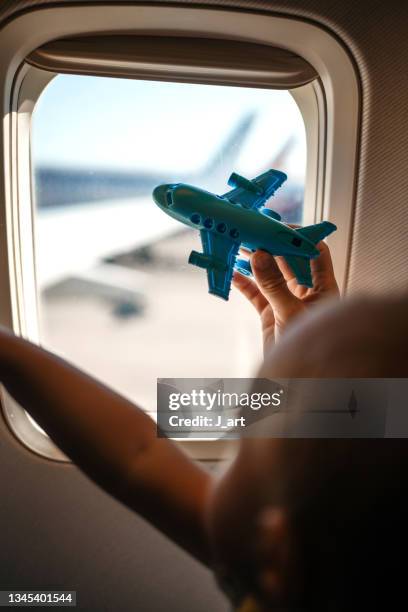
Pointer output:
117, 296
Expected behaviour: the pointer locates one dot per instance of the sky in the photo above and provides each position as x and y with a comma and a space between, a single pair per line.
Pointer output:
124, 124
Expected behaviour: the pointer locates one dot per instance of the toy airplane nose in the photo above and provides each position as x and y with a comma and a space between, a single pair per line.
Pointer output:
159, 194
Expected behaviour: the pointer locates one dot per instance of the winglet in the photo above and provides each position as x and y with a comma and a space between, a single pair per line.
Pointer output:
236, 180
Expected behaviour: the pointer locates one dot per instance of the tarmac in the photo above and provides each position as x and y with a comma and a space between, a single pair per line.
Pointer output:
176, 330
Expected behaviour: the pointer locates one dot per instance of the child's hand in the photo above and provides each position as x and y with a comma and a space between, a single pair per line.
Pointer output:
277, 296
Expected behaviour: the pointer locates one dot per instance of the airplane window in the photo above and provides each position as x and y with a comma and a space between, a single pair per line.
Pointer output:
116, 294
195, 218
234, 233
296, 241
221, 227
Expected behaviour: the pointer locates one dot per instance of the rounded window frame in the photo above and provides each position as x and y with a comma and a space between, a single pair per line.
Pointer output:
330, 107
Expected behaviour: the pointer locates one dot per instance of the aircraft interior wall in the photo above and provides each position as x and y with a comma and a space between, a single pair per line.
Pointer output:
61, 531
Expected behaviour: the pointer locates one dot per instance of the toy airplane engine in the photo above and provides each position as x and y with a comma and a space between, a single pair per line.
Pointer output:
239, 218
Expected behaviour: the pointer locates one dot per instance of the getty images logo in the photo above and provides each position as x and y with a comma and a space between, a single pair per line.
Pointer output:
210, 400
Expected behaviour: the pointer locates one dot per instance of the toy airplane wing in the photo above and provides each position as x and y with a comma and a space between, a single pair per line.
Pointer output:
218, 259
255, 193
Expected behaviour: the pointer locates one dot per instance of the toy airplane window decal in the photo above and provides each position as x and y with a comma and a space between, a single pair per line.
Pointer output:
169, 198
241, 211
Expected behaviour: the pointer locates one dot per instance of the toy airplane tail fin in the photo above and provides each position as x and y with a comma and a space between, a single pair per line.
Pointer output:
317, 232
301, 265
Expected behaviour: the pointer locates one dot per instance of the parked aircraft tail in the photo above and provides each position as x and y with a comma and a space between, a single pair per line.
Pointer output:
225, 157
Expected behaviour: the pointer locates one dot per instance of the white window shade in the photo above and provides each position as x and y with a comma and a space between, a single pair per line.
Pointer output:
177, 58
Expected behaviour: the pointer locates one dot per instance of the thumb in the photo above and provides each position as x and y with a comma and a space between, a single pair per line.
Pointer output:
272, 284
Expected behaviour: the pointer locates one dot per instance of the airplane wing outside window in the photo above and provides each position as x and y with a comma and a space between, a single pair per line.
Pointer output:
266, 184
222, 252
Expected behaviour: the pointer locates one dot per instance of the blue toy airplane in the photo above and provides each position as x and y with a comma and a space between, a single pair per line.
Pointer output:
239, 218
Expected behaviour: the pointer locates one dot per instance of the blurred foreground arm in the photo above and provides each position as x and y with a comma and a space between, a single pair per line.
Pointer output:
110, 439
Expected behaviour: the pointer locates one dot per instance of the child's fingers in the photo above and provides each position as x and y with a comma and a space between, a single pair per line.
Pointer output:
273, 285
250, 290
285, 268
280, 260
322, 270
